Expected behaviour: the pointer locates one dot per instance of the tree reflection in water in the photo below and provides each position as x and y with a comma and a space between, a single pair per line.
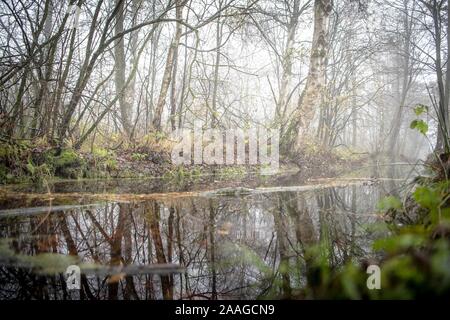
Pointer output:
231, 247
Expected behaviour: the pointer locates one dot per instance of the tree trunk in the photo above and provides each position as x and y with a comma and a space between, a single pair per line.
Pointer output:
214, 114
443, 113
167, 76
315, 80
287, 64
154, 219
406, 80
125, 94
173, 103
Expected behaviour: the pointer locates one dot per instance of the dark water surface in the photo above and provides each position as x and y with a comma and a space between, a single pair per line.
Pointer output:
226, 245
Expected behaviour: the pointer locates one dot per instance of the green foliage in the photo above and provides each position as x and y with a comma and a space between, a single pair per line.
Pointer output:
434, 198
351, 280
420, 109
427, 197
414, 259
399, 242
232, 172
100, 153
67, 158
159, 135
39, 173
103, 162
181, 175
136, 156
10, 152
178, 175
13, 156
65, 164
420, 126
5, 176
389, 202
21, 163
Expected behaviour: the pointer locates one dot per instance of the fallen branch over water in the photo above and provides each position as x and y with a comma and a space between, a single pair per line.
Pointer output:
162, 269
125, 197
34, 263
84, 199
53, 263
36, 210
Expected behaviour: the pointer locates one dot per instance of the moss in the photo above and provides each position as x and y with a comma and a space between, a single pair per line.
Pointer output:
232, 172
100, 153
111, 164
5, 176
13, 159
180, 175
104, 163
349, 154
11, 153
66, 164
67, 158
138, 156
196, 173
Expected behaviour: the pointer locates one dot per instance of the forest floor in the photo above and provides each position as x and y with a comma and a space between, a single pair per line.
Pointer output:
23, 163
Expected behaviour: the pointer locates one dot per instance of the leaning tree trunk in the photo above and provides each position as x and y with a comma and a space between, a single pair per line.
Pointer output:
287, 61
167, 76
406, 77
315, 80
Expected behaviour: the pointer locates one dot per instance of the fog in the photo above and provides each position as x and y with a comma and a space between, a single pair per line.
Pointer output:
72, 71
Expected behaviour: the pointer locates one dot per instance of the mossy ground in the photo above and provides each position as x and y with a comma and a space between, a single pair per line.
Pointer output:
38, 162
21, 163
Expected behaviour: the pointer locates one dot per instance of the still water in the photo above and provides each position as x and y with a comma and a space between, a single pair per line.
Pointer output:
192, 245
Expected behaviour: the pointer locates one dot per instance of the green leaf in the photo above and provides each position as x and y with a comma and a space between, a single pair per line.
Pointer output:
427, 197
31, 168
420, 108
390, 202
398, 243
419, 125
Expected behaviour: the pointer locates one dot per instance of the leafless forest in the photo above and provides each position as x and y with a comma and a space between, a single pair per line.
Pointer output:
341, 73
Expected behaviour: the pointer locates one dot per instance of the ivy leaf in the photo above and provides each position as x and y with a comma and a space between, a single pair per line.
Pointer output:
419, 125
